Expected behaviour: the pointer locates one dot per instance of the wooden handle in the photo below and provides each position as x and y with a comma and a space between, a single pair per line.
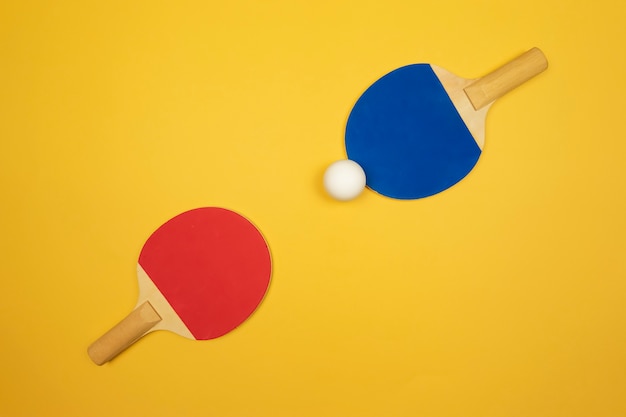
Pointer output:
506, 78
124, 334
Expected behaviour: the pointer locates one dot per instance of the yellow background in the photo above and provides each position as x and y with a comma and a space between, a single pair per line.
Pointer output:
503, 296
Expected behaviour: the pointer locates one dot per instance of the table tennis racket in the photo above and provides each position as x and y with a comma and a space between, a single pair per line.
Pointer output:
201, 274
420, 129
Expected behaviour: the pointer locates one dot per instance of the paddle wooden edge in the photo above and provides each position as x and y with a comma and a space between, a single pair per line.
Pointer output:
170, 320
474, 119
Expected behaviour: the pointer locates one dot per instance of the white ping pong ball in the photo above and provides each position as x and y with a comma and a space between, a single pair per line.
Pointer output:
344, 180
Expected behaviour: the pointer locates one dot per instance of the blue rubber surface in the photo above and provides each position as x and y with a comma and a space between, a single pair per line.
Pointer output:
408, 137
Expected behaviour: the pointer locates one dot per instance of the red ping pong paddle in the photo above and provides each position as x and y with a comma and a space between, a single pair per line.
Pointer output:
420, 129
201, 274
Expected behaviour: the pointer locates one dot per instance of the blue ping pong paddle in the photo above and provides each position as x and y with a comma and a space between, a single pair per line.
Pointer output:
420, 129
